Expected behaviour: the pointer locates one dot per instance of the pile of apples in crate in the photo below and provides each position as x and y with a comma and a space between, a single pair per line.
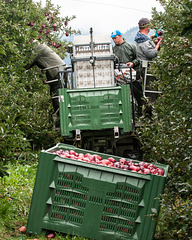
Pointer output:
141, 167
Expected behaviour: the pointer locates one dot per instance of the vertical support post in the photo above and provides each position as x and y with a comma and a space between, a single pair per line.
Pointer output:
92, 58
133, 109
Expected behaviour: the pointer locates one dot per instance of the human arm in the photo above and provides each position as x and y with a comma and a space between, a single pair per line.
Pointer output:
36, 53
31, 63
135, 62
158, 45
148, 49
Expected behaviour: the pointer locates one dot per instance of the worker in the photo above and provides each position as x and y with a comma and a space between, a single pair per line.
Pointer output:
146, 48
46, 59
126, 53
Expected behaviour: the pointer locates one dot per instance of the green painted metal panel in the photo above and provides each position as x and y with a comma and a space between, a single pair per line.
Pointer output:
95, 109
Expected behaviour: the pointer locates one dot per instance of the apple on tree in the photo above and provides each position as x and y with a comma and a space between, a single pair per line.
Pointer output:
31, 24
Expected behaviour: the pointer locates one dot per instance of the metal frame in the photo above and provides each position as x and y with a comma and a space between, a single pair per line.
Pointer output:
145, 66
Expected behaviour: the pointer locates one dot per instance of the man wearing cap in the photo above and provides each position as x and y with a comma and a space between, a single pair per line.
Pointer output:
126, 53
146, 48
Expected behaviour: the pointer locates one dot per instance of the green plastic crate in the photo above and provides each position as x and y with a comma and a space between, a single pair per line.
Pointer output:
93, 201
95, 109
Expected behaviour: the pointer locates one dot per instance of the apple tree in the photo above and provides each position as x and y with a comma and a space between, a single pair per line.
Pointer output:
167, 138
26, 110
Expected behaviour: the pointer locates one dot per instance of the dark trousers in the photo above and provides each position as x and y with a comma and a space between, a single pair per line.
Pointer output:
138, 95
54, 94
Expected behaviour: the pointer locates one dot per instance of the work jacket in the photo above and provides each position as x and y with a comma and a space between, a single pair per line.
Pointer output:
145, 47
126, 52
45, 58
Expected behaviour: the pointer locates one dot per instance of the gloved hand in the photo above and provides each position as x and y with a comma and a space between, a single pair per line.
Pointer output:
158, 33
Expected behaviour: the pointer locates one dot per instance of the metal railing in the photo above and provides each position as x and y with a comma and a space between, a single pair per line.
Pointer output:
145, 65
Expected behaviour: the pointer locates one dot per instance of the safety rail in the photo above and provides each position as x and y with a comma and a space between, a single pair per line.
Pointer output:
145, 65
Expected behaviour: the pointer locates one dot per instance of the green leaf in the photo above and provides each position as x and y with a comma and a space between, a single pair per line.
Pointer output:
2, 50
186, 31
190, 181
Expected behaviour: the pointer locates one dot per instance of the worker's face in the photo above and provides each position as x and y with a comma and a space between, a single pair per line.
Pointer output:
148, 27
117, 39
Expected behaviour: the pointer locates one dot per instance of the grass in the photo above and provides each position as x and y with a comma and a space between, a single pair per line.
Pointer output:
15, 199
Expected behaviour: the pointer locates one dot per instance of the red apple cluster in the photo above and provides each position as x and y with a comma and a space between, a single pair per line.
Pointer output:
141, 167
46, 31
158, 39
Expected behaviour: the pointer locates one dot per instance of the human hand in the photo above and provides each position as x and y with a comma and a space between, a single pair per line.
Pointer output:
159, 42
130, 64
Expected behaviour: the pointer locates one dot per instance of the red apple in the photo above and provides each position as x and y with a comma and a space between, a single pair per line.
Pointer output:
111, 159
22, 229
72, 152
81, 156
156, 41
51, 235
146, 171
67, 34
141, 163
125, 167
97, 156
105, 162
150, 166
87, 155
122, 161
86, 159
134, 168
43, 26
142, 168
117, 165
154, 171
159, 33
54, 25
146, 165
31, 24
160, 171
66, 23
